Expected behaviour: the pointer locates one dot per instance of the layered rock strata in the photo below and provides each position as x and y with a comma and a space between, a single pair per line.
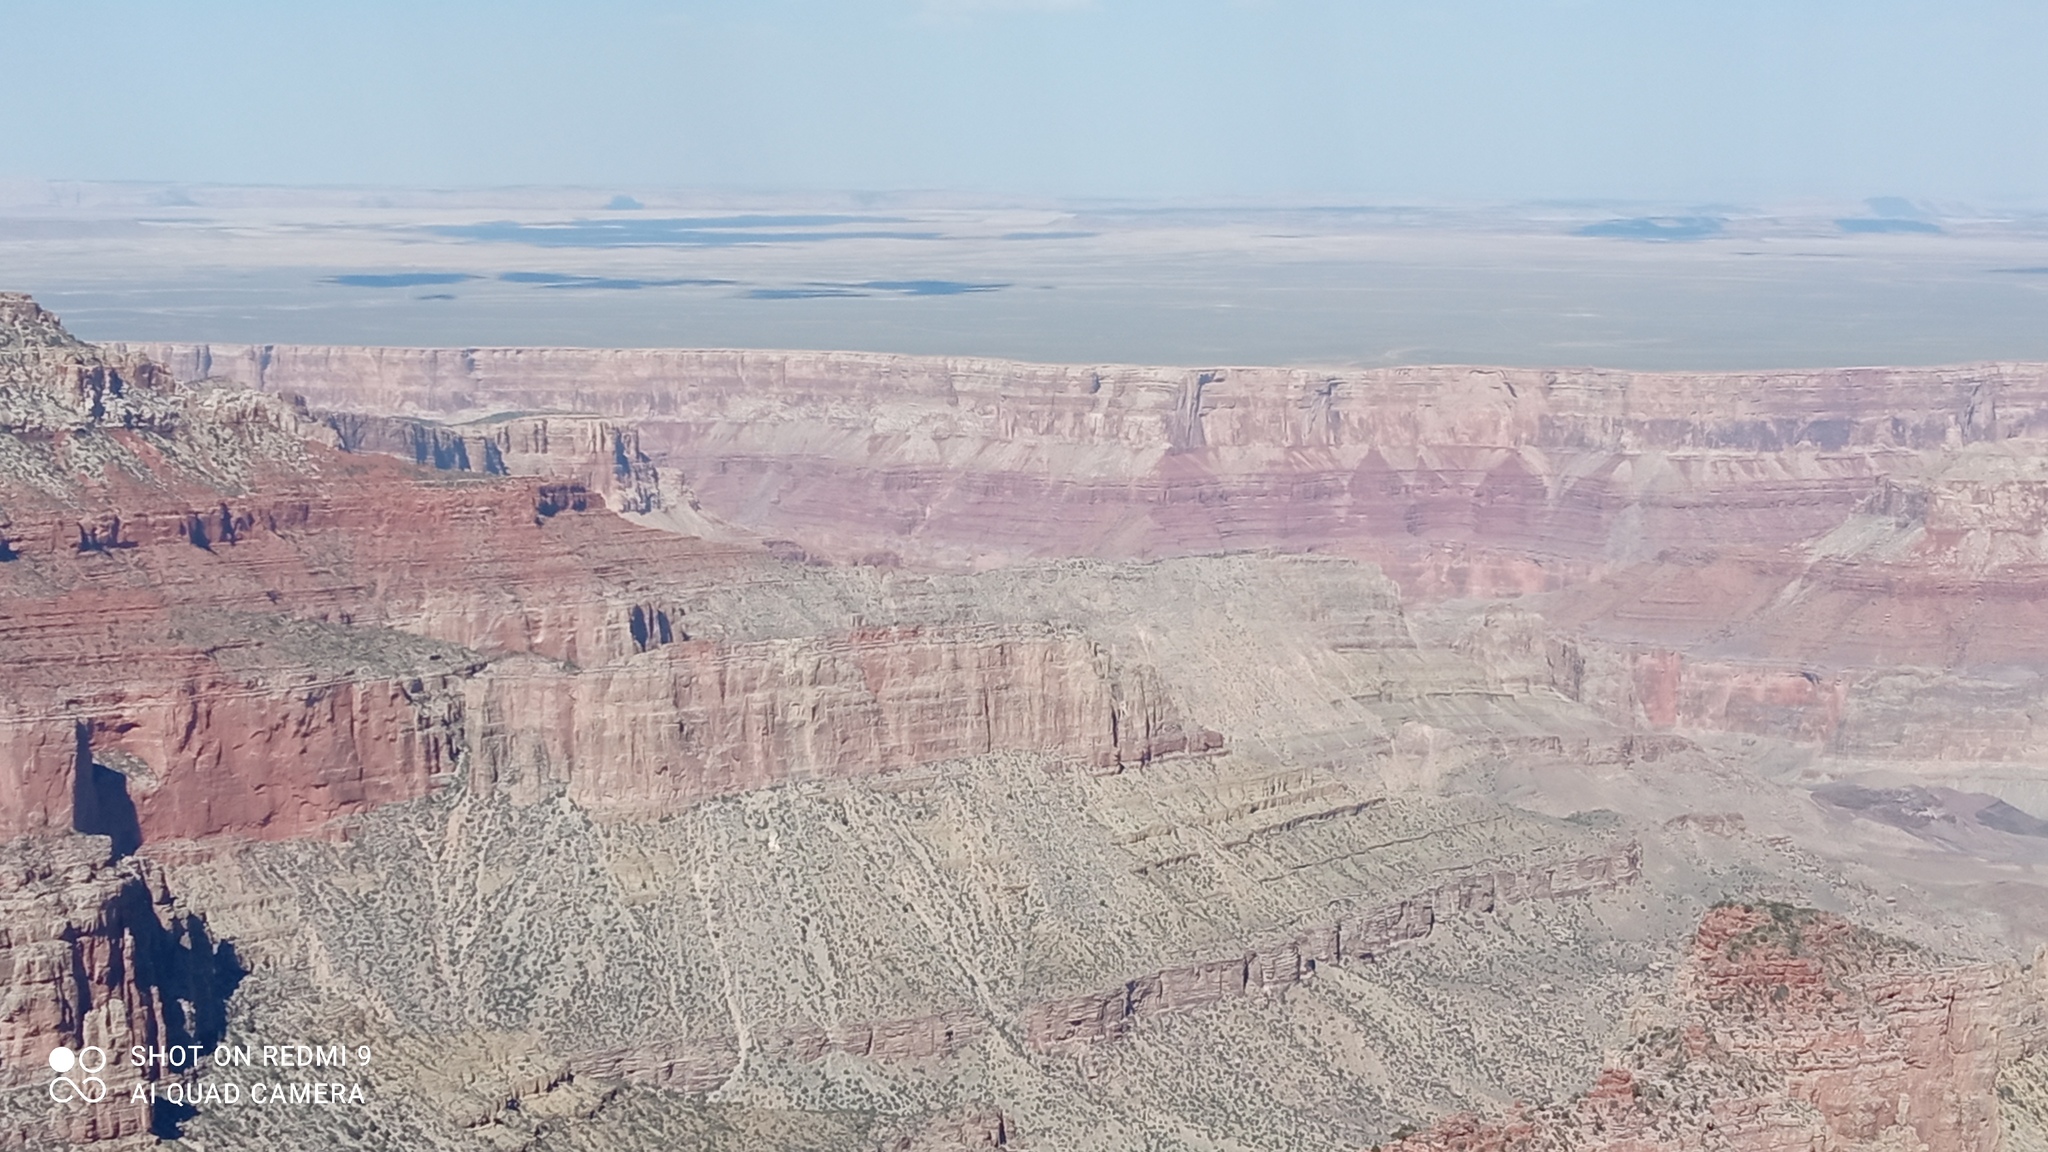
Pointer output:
602, 455
1731, 534
1469, 478
1358, 936
576, 814
692, 719
261, 633
100, 956
1792, 1028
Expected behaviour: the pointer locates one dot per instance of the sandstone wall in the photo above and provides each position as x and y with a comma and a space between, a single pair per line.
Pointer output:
203, 755
692, 719
1461, 481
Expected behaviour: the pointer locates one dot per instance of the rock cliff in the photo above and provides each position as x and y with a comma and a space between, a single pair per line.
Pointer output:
100, 955
1771, 527
237, 625
1465, 480
602, 455
760, 751
1792, 1028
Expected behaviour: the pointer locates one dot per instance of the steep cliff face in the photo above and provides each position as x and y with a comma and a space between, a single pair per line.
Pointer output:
220, 621
1759, 546
206, 755
1791, 1028
224, 662
100, 955
602, 455
692, 719
1465, 480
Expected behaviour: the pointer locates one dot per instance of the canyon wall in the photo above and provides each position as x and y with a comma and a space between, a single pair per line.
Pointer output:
496, 661
221, 620
1163, 407
1793, 1028
693, 719
167, 711
1464, 480
99, 954
1760, 553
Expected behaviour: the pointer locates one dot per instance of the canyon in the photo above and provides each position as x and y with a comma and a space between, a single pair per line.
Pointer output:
753, 750
1736, 533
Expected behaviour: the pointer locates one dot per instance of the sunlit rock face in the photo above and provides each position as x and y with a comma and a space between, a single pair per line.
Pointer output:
1792, 1028
1759, 546
804, 750
1461, 472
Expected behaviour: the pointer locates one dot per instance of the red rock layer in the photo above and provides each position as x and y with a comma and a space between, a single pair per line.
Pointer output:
1099, 1016
268, 681
1793, 1029
215, 627
1463, 480
276, 748
238, 681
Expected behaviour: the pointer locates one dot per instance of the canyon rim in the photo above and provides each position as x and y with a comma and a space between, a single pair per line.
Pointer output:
573, 749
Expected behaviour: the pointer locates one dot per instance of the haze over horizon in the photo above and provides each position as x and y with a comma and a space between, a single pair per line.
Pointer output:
1532, 182
1229, 99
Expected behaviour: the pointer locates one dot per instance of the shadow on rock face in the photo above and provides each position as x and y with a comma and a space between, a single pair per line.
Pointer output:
100, 804
192, 976
1965, 821
187, 973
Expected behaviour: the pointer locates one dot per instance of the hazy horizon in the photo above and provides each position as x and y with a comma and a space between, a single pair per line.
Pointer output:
1533, 182
1389, 101
1883, 281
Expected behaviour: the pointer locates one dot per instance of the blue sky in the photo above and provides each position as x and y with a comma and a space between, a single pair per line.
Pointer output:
1473, 100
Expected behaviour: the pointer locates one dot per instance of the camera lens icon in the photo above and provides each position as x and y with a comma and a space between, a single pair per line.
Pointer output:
86, 1088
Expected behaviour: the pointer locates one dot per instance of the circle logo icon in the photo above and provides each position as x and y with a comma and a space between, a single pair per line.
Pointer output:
86, 1088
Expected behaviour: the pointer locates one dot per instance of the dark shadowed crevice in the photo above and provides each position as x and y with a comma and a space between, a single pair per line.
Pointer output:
100, 804
191, 976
